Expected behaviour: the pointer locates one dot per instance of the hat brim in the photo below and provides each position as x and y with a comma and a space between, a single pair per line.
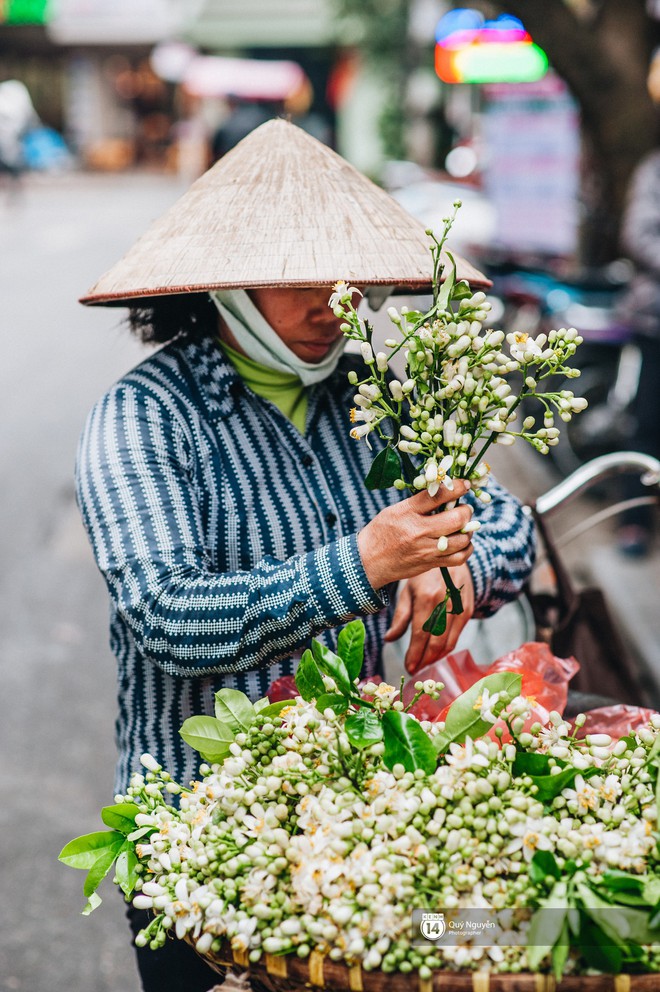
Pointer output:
279, 210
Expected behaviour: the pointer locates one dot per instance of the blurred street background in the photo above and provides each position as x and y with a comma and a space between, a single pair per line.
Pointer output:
111, 110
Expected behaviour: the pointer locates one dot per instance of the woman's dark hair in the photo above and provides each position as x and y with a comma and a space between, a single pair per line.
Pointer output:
165, 318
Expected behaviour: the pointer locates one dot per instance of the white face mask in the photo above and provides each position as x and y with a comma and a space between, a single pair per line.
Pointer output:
262, 344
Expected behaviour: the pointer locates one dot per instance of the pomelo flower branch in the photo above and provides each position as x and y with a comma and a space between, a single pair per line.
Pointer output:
460, 394
320, 823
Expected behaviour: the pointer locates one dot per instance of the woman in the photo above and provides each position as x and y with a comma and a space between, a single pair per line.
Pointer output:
220, 488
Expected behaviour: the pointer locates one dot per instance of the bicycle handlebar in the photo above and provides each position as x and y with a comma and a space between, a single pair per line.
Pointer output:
617, 463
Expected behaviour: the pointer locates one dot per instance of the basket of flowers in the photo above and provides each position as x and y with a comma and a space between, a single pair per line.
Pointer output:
334, 840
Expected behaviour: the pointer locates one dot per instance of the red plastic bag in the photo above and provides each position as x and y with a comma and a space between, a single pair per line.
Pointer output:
282, 688
545, 681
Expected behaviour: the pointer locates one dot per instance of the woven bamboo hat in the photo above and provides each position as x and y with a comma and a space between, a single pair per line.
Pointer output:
280, 209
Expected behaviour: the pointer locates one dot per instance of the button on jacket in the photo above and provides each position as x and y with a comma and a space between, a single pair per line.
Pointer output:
228, 540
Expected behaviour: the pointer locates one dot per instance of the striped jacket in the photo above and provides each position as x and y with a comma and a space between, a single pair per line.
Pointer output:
227, 539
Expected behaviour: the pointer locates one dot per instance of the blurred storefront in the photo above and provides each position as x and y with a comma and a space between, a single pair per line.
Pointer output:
95, 72
86, 66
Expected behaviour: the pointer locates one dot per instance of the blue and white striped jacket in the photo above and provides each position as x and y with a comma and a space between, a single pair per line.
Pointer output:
227, 539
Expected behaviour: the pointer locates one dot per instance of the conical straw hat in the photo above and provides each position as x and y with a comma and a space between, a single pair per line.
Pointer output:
280, 209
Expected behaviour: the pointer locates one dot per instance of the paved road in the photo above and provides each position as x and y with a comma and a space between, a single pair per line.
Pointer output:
56, 702
57, 695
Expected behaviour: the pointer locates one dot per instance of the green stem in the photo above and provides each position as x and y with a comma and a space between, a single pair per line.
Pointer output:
436, 623
453, 590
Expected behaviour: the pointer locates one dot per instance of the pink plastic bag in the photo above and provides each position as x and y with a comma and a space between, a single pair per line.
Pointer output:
617, 721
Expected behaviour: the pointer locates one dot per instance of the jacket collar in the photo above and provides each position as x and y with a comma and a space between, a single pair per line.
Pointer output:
219, 384
216, 378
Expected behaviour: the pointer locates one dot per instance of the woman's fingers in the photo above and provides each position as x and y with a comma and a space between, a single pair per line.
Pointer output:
452, 544
459, 558
416, 534
427, 590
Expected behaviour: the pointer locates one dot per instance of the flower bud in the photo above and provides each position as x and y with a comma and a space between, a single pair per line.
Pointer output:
396, 391
150, 763
367, 353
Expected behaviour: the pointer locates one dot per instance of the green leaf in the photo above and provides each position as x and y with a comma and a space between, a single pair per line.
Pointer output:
654, 920
142, 832
207, 735
330, 664
406, 743
436, 623
93, 903
531, 763
409, 470
120, 817
350, 647
543, 864
548, 925
126, 875
616, 880
83, 852
652, 890
598, 952
463, 717
234, 709
332, 700
261, 704
560, 951
274, 709
363, 728
385, 468
447, 288
538, 767
653, 757
550, 786
574, 920
611, 919
462, 290
308, 678
102, 865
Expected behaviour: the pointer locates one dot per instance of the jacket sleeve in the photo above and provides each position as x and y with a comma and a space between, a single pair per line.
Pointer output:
142, 515
504, 550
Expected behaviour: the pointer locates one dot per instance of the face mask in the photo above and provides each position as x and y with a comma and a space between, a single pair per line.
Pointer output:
262, 344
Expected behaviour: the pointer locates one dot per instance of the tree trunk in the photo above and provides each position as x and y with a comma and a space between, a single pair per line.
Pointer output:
604, 59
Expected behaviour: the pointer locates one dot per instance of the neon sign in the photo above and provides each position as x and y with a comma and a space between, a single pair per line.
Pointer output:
471, 49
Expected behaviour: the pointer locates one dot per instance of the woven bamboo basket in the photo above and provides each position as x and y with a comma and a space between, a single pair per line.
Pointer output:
288, 973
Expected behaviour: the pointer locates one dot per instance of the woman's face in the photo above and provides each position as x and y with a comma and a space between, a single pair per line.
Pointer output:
302, 319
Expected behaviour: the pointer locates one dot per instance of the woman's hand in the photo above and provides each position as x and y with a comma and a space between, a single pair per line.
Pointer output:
416, 601
402, 540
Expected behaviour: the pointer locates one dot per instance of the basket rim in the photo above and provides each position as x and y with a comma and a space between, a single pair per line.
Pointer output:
291, 973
